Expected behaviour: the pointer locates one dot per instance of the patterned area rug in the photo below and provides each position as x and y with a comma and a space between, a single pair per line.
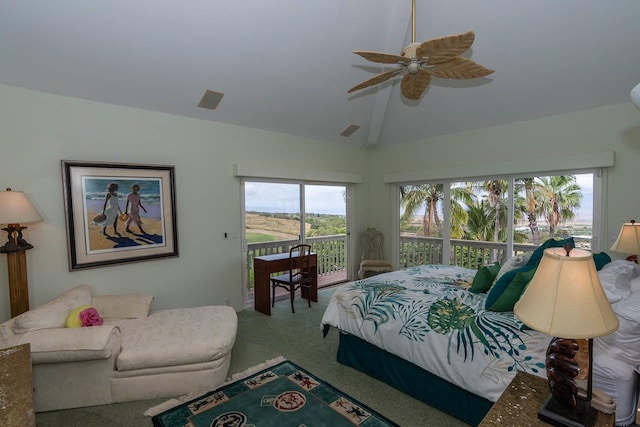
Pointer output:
281, 395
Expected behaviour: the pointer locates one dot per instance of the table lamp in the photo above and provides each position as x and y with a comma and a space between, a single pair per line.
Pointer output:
15, 208
628, 240
565, 300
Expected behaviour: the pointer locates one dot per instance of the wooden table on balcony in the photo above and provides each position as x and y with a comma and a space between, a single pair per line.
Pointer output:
264, 266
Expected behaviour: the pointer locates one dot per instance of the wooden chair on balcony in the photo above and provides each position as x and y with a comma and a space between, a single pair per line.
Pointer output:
372, 261
298, 276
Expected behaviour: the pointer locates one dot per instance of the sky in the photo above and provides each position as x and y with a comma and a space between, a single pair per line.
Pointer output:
276, 197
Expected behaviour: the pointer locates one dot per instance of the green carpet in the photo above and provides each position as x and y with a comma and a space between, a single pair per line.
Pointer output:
296, 336
281, 395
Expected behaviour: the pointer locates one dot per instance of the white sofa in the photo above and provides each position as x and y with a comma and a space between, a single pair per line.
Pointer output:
134, 355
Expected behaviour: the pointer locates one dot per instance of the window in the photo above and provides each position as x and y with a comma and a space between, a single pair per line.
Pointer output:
483, 220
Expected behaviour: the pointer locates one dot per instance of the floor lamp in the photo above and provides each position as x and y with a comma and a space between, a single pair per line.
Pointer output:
15, 208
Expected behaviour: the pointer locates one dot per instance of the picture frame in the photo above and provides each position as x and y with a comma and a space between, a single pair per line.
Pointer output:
95, 196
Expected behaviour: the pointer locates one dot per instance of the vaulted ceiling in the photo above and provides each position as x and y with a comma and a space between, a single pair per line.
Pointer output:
286, 65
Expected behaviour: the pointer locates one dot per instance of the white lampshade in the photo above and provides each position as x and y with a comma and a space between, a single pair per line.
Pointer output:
635, 96
15, 208
565, 298
628, 241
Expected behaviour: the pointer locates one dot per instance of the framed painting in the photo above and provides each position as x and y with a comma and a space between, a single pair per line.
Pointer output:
117, 213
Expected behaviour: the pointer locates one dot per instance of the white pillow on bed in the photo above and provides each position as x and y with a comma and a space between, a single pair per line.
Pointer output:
629, 308
620, 266
512, 263
616, 285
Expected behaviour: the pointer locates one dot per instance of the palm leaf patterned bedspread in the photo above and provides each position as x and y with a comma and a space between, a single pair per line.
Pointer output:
426, 315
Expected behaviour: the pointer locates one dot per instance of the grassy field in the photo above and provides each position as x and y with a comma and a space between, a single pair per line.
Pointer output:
265, 227
262, 228
259, 238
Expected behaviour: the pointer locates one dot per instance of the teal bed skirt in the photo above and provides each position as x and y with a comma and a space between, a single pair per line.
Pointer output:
412, 380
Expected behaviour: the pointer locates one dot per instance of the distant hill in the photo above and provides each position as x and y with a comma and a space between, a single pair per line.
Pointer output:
287, 226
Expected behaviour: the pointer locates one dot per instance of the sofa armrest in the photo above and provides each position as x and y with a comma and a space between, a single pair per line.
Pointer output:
125, 306
71, 344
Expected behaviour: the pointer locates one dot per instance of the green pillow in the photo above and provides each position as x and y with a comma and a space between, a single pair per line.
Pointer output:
514, 290
601, 259
502, 283
484, 278
536, 256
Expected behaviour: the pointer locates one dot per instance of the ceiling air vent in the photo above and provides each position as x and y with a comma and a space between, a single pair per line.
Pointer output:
210, 99
350, 130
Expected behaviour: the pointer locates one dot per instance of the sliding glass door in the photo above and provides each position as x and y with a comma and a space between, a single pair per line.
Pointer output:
278, 215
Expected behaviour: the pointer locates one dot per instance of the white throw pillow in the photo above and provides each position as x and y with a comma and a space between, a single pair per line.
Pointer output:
53, 314
47, 316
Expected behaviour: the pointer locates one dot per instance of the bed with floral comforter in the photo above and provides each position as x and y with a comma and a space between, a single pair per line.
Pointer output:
427, 316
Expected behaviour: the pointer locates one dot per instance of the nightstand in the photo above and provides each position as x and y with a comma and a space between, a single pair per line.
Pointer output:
520, 402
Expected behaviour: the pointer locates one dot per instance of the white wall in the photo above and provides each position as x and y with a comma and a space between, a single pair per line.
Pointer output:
612, 128
39, 130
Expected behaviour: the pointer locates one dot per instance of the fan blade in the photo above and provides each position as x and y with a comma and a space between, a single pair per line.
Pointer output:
383, 58
460, 68
413, 85
377, 79
443, 49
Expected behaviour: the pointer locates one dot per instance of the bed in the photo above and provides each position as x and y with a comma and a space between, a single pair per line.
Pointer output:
423, 331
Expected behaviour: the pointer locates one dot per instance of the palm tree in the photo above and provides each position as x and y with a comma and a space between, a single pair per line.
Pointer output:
481, 222
531, 209
559, 198
414, 197
494, 190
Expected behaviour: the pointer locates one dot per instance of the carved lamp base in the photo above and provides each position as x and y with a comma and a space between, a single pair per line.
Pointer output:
557, 414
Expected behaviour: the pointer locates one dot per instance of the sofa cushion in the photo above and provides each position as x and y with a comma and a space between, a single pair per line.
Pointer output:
74, 297
177, 337
47, 316
125, 306
52, 314
71, 344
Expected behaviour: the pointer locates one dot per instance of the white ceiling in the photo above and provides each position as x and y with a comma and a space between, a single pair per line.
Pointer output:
286, 65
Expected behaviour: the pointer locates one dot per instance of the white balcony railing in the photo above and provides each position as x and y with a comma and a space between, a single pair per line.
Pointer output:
414, 250
331, 252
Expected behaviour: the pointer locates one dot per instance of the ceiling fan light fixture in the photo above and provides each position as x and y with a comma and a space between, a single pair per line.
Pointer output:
413, 68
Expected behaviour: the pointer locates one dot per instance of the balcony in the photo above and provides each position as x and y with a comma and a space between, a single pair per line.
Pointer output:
414, 250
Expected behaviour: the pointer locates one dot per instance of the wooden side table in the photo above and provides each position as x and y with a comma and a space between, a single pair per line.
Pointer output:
521, 401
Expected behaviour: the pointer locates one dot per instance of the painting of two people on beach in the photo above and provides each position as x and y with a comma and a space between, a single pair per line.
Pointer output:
122, 213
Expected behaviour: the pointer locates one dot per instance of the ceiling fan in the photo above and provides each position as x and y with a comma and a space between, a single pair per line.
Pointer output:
436, 57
